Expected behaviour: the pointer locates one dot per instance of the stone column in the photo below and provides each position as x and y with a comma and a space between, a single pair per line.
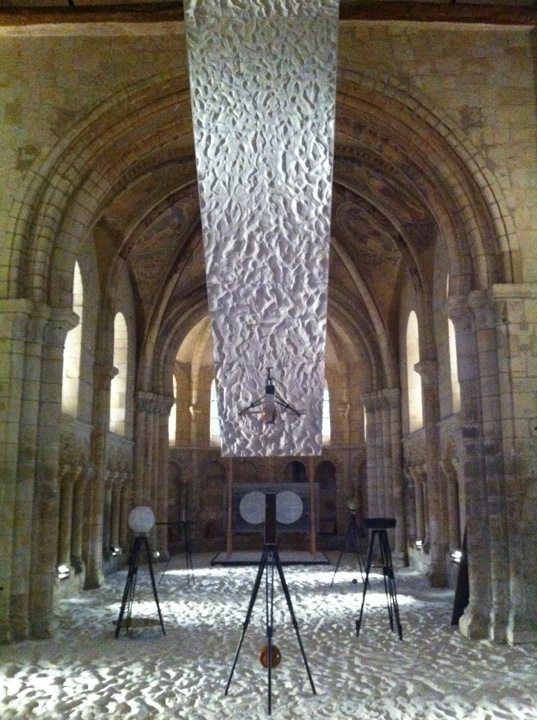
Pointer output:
410, 506
492, 458
418, 501
454, 529
79, 513
392, 402
516, 330
164, 405
46, 497
107, 510
103, 374
115, 509
68, 478
436, 500
125, 508
20, 372
474, 621
372, 455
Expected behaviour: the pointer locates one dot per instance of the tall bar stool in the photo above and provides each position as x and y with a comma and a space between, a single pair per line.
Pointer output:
379, 531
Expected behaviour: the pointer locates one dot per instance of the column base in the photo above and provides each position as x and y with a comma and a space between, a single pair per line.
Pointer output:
521, 629
474, 625
5, 633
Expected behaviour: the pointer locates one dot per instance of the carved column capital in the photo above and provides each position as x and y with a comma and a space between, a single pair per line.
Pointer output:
428, 369
460, 312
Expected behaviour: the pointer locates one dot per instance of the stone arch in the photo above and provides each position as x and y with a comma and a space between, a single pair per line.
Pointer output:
464, 197
65, 194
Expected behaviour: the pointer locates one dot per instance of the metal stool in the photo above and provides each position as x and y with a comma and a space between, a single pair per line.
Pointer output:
379, 529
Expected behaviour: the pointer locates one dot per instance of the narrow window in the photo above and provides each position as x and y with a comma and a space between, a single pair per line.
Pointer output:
415, 410
326, 427
73, 351
172, 421
455, 386
214, 420
118, 386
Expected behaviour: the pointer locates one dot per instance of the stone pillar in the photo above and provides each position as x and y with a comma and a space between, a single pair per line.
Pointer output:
454, 529
492, 459
125, 508
165, 405
103, 374
385, 456
46, 497
151, 459
115, 509
20, 372
107, 510
143, 448
68, 479
418, 501
392, 401
516, 331
372, 455
474, 621
410, 506
78, 515
436, 500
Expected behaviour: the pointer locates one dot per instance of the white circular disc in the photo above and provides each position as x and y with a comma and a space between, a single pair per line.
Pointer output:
141, 519
289, 507
252, 507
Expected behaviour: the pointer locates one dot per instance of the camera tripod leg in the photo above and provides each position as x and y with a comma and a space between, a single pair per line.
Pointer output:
253, 597
366, 583
130, 587
153, 584
293, 617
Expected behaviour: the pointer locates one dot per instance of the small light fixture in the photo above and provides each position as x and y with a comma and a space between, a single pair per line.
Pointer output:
63, 571
352, 504
419, 544
141, 520
456, 556
115, 550
266, 406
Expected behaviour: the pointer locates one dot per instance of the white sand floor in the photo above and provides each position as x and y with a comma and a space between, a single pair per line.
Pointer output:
434, 673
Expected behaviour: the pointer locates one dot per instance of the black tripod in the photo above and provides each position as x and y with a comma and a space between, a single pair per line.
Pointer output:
379, 529
270, 560
351, 543
140, 543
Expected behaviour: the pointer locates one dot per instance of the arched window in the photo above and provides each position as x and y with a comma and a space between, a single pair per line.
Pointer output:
214, 420
73, 351
455, 386
326, 427
118, 386
172, 420
415, 409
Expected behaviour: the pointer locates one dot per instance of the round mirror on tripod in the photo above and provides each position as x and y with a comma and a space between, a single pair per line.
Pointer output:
141, 520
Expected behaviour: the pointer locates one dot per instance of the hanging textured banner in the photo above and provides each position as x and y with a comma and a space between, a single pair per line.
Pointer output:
263, 81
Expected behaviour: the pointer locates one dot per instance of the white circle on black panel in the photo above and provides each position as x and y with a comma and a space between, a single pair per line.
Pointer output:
141, 519
289, 507
252, 507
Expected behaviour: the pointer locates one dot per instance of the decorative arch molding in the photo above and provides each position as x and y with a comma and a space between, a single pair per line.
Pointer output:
463, 195
66, 193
